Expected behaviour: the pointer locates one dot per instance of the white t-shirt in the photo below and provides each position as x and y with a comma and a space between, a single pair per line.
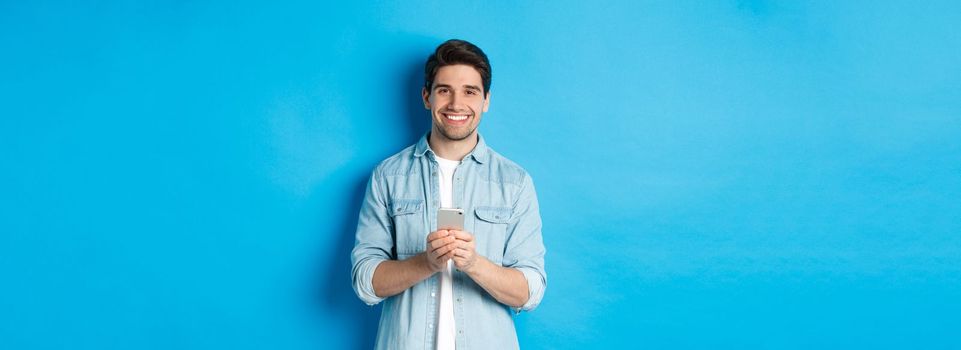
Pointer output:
446, 329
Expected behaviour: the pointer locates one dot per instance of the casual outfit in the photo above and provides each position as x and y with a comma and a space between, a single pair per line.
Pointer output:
399, 211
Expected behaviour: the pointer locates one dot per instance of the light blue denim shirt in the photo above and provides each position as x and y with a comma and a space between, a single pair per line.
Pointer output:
399, 211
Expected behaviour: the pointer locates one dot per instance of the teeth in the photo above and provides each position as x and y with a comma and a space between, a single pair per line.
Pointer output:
456, 117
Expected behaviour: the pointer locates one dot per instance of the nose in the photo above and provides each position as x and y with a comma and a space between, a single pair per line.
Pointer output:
454, 102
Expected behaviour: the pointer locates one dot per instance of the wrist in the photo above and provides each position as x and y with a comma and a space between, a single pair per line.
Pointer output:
421, 264
480, 264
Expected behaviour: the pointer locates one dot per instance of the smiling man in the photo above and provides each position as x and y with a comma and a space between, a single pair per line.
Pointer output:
450, 288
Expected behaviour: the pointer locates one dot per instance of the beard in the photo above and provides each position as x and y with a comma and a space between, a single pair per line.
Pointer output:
456, 134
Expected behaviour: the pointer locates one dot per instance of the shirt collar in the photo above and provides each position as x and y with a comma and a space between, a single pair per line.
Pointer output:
479, 154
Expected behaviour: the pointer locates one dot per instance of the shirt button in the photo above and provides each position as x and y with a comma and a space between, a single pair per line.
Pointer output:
430, 326
431, 293
458, 300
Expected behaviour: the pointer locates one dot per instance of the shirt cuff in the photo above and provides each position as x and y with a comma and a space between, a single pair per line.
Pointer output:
535, 289
364, 282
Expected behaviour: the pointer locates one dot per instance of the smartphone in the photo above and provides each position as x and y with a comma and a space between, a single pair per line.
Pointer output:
450, 218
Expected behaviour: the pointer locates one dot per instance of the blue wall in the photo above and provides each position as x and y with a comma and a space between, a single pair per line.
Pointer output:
721, 174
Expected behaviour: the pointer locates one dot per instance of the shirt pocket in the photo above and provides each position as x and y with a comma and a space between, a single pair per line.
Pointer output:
490, 232
407, 216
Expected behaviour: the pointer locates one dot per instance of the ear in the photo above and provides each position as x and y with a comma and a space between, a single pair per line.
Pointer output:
487, 101
426, 96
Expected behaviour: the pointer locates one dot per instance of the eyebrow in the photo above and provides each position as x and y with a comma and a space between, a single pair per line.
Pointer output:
469, 87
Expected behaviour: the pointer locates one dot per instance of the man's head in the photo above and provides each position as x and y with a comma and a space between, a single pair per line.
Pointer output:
456, 88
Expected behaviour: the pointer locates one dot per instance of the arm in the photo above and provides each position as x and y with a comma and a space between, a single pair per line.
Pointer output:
525, 246
373, 241
521, 282
393, 277
506, 285
375, 273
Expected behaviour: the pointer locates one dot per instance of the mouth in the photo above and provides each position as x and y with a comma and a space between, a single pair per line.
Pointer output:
455, 119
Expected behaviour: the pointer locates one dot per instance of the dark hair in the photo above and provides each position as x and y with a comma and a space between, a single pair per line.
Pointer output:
453, 52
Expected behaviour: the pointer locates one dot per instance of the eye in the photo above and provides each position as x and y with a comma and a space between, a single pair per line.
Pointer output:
442, 90
471, 92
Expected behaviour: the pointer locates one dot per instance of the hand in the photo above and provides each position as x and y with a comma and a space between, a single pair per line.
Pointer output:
440, 249
465, 256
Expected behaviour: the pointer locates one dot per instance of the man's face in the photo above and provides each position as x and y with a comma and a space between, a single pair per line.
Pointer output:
456, 101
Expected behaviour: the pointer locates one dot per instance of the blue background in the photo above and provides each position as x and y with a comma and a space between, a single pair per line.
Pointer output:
712, 174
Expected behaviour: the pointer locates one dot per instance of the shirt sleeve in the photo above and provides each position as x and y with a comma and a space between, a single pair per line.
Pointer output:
374, 241
525, 246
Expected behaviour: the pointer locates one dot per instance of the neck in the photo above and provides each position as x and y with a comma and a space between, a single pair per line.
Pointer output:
450, 149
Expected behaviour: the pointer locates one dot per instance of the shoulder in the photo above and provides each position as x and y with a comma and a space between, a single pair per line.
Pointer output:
401, 163
504, 170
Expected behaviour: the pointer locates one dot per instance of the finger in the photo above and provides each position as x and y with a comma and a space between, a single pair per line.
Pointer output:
444, 249
462, 253
463, 235
437, 243
460, 260
441, 242
466, 245
440, 258
469, 245
437, 234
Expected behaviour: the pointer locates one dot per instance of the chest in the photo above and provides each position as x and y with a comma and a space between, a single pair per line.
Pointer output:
413, 201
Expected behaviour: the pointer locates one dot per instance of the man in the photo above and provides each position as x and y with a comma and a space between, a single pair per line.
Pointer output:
450, 288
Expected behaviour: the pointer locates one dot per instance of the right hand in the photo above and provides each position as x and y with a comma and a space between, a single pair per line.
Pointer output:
440, 249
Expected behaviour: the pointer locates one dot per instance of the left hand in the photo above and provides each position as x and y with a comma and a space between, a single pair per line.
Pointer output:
465, 256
